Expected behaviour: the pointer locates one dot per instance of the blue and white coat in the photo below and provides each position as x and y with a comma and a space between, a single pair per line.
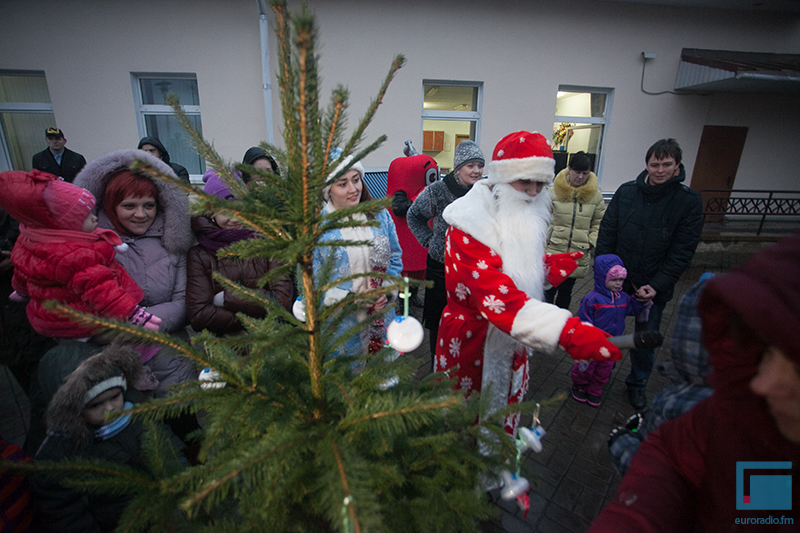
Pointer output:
353, 260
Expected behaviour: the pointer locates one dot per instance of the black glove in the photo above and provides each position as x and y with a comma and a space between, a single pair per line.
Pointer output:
400, 204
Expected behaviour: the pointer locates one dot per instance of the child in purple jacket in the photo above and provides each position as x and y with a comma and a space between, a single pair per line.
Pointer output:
606, 308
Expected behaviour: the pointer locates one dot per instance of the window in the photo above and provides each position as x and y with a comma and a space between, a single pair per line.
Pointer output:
580, 123
25, 113
157, 119
451, 113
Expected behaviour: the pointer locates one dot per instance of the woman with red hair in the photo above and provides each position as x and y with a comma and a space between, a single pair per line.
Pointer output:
152, 218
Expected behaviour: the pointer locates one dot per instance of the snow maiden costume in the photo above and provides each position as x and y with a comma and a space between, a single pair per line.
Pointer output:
354, 260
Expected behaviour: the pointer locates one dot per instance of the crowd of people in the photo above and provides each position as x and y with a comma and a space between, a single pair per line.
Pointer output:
503, 253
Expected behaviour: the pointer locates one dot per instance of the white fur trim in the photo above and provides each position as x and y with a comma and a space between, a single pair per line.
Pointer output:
333, 296
530, 168
539, 325
474, 213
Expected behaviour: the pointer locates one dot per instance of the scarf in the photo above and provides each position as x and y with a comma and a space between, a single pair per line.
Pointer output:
114, 428
454, 186
215, 239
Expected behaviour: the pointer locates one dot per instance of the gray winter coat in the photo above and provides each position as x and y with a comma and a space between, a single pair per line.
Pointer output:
157, 259
430, 205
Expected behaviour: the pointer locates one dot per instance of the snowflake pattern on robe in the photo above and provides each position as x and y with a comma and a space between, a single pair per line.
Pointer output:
455, 347
493, 304
491, 298
462, 291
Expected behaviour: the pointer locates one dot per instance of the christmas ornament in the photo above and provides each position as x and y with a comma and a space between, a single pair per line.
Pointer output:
513, 486
299, 310
209, 379
531, 439
405, 334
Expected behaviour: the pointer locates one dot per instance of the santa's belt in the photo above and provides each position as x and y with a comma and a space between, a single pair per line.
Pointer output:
456, 309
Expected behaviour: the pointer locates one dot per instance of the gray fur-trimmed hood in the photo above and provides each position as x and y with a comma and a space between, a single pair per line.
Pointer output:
172, 202
65, 411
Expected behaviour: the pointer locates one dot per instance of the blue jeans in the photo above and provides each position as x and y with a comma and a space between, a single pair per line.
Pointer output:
642, 360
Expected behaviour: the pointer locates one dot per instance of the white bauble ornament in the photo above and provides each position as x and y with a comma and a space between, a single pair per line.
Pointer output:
405, 334
299, 310
209, 379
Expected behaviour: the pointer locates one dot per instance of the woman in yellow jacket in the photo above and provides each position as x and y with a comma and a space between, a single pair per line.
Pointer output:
578, 207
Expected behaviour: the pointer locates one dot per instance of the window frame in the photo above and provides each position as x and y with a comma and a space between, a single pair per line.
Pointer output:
44, 108
603, 121
143, 110
466, 116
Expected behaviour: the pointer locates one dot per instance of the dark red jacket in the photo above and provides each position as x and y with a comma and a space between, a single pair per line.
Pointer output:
684, 475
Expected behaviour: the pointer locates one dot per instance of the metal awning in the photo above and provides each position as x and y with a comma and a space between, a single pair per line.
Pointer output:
728, 71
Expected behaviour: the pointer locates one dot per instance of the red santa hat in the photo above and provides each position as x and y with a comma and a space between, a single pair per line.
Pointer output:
522, 155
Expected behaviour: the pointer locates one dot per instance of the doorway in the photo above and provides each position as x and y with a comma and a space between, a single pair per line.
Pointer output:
717, 161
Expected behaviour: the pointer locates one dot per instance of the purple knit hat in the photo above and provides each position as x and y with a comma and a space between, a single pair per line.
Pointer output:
215, 186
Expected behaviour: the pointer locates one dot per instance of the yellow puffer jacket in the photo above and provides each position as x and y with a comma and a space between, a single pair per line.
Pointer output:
577, 213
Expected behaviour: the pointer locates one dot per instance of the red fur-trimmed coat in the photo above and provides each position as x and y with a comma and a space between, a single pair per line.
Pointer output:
489, 320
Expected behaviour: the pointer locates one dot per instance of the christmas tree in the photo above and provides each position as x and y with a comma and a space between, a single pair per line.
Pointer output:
293, 439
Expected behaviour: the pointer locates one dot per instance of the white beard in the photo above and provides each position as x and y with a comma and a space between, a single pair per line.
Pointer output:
523, 223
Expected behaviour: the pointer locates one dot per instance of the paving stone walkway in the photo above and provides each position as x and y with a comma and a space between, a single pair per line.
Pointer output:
573, 477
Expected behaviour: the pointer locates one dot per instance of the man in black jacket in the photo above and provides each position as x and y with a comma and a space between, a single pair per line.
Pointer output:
156, 148
654, 225
57, 159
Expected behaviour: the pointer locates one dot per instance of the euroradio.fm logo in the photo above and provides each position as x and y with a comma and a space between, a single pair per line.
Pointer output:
763, 485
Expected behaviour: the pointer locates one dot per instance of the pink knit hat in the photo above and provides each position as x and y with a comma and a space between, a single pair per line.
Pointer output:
69, 204
616, 272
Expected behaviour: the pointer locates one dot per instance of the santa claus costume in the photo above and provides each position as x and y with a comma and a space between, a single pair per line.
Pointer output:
495, 276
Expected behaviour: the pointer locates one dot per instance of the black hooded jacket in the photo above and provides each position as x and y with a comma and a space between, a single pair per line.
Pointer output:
180, 171
655, 230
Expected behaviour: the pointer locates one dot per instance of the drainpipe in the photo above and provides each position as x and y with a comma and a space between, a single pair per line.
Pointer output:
266, 86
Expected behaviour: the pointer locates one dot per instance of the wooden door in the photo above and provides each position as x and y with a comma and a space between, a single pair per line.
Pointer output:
717, 161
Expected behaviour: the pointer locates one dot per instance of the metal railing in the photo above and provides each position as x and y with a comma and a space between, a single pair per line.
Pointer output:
750, 202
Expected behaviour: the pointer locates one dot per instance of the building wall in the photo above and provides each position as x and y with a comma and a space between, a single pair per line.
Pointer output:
88, 50
521, 51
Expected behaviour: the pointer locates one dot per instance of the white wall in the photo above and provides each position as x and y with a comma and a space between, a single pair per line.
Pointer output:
522, 51
88, 50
